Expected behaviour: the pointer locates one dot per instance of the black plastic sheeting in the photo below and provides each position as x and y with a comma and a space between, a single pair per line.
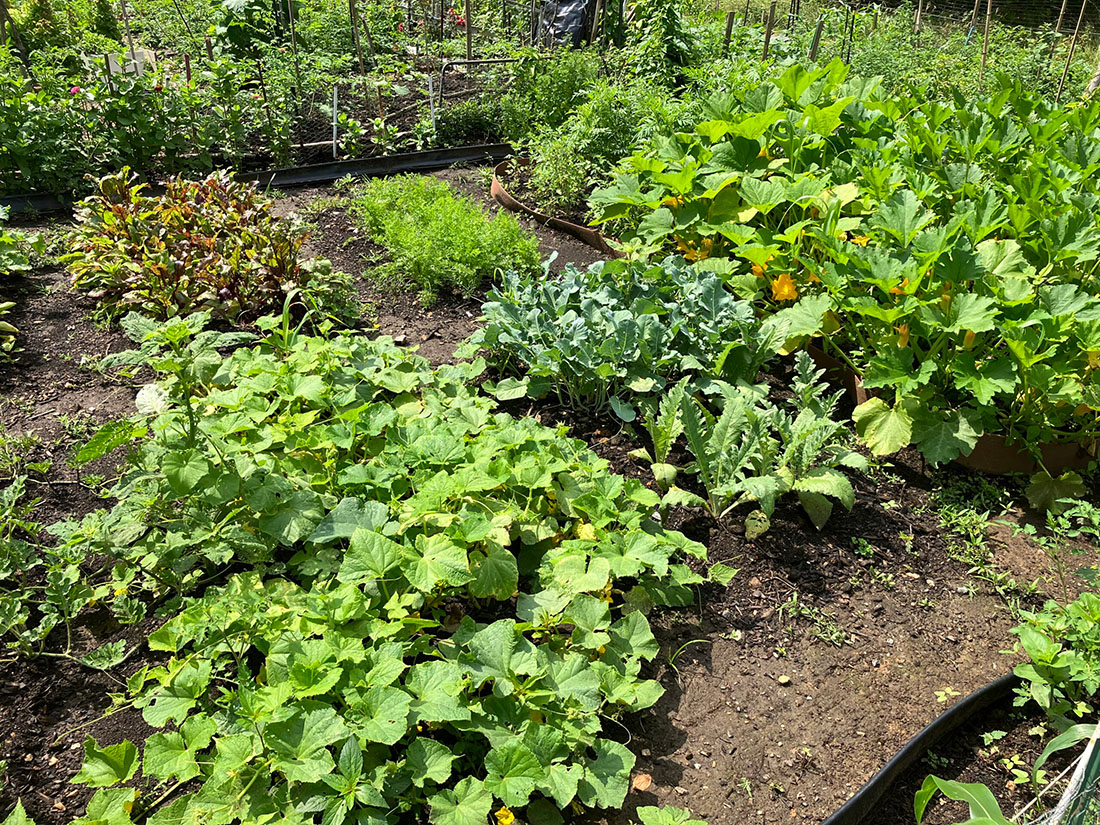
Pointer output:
856, 809
565, 22
317, 173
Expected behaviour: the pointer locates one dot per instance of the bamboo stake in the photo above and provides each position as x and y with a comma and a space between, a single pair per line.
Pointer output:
129, 34
920, 12
768, 30
469, 32
354, 14
729, 30
817, 38
1061, 16
595, 22
985, 41
1057, 30
1072, 50
851, 37
183, 20
746, 20
844, 31
294, 44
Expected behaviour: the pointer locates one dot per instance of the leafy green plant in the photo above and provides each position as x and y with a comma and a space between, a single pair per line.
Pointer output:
754, 451
405, 587
1063, 643
202, 245
14, 248
436, 239
955, 269
661, 40
619, 331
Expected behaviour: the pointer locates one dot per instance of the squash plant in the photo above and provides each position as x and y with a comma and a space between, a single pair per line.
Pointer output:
434, 608
955, 245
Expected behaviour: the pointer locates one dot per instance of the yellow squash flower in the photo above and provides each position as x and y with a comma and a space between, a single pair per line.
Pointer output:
900, 288
903, 335
860, 240
759, 269
505, 816
784, 289
968, 339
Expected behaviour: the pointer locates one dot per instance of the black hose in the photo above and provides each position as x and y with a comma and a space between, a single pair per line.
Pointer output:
855, 810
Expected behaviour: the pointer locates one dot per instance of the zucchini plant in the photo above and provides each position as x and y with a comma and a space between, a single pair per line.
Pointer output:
956, 245
394, 602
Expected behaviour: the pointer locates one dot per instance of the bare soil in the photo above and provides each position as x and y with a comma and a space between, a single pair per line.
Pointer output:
785, 691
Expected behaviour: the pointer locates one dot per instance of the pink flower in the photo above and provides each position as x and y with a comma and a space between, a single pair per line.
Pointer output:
75, 90
401, 27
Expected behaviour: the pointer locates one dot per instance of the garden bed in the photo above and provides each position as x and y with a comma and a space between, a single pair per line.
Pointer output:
785, 691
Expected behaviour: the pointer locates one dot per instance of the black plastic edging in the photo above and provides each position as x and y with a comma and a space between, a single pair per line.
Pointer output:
33, 203
379, 166
317, 173
856, 809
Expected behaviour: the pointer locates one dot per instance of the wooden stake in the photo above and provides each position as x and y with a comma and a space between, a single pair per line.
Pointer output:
469, 31
817, 38
767, 33
985, 41
129, 34
729, 30
745, 21
920, 12
1072, 50
294, 43
595, 21
354, 14
209, 48
187, 67
1061, 16
974, 15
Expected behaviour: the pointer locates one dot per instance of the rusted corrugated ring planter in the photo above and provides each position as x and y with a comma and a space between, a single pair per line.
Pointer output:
992, 454
501, 195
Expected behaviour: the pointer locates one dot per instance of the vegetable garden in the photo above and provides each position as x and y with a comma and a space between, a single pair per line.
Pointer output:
766, 434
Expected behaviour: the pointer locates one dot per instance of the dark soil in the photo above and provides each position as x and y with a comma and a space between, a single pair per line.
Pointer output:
54, 395
978, 752
785, 691
434, 330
